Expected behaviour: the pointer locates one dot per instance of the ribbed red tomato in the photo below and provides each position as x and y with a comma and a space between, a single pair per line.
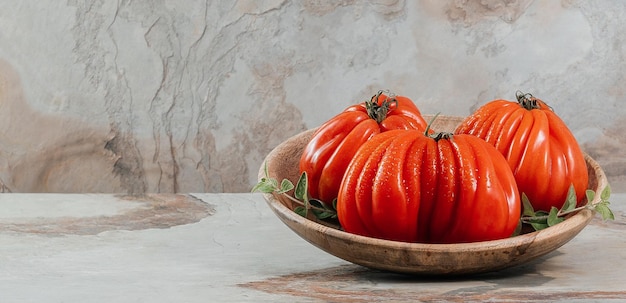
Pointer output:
542, 152
406, 186
335, 142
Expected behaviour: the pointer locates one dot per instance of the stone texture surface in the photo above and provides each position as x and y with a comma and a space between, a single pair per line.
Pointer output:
219, 259
189, 96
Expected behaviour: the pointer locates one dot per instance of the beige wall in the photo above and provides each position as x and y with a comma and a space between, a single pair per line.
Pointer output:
189, 96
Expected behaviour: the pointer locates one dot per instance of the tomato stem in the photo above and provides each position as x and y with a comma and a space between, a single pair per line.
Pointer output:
526, 100
436, 136
379, 112
430, 123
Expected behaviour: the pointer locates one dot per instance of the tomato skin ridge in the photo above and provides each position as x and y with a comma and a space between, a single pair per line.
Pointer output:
495, 133
456, 156
493, 182
405, 110
491, 133
340, 158
443, 207
572, 154
466, 163
326, 156
530, 180
429, 188
385, 194
541, 151
389, 221
510, 127
322, 145
517, 144
353, 205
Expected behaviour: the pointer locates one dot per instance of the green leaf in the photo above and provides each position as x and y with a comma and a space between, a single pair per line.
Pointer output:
273, 182
317, 203
323, 214
335, 203
590, 195
570, 201
605, 211
300, 210
606, 193
264, 186
322, 211
528, 210
553, 217
539, 225
301, 188
319, 209
285, 186
518, 229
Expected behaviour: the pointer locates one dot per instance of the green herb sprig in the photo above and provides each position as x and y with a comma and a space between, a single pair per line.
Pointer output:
300, 195
543, 219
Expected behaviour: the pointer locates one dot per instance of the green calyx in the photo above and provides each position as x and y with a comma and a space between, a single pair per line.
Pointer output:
526, 100
379, 112
441, 135
436, 136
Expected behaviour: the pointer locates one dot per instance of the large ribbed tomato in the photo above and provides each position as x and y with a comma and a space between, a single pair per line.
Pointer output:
542, 152
335, 142
406, 186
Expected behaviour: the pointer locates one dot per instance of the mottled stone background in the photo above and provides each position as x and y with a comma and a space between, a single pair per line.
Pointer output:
189, 96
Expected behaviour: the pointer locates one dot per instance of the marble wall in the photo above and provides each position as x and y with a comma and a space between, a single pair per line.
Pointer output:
189, 96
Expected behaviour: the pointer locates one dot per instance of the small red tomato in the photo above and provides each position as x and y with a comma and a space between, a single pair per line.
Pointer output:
540, 149
335, 142
406, 186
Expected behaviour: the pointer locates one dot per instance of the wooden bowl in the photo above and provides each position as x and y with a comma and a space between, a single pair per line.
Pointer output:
418, 258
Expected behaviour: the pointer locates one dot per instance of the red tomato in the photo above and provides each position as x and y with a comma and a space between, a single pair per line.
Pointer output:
542, 152
335, 142
405, 186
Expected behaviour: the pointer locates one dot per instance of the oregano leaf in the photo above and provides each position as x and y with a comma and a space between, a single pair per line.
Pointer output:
274, 182
257, 186
553, 217
518, 229
539, 225
300, 210
264, 186
570, 201
285, 186
539, 221
301, 188
606, 193
542, 219
321, 210
322, 214
590, 195
528, 210
300, 195
317, 203
604, 210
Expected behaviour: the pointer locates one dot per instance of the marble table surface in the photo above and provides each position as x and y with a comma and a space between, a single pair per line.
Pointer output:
232, 248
